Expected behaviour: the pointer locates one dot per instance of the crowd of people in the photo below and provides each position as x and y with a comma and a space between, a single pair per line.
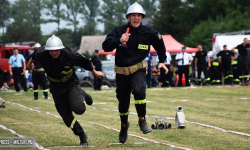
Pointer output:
228, 67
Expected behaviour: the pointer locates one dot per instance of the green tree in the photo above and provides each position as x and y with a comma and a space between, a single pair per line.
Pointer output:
54, 11
5, 11
28, 10
74, 8
22, 31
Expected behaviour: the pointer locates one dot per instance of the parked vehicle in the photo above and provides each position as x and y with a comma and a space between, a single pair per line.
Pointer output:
83, 76
108, 68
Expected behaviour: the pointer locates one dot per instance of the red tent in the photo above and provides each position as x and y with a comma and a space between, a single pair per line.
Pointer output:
172, 46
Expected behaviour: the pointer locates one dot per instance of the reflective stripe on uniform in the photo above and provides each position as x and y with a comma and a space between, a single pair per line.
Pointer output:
230, 76
226, 77
198, 79
140, 101
124, 114
35, 90
218, 81
245, 76
45, 90
72, 123
66, 72
215, 64
207, 79
240, 77
235, 62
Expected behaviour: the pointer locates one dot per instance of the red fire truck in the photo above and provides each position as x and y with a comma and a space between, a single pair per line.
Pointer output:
6, 52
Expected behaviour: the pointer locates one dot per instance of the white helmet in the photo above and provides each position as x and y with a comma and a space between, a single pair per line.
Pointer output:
54, 43
135, 8
37, 45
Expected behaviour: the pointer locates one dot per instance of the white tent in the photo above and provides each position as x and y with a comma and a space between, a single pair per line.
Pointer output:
230, 40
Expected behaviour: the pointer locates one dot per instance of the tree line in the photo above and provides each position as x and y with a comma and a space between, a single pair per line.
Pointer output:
188, 21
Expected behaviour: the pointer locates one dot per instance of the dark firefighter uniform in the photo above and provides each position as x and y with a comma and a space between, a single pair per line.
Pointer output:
64, 84
202, 65
243, 61
235, 71
39, 78
226, 58
98, 67
216, 74
130, 65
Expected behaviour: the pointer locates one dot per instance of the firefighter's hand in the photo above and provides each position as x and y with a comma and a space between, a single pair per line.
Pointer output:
98, 74
33, 66
124, 37
195, 68
161, 65
209, 64
11, 73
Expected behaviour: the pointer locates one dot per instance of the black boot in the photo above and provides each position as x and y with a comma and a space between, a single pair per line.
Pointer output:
83, 139
87, 97
45, 95
144, 127
35, 96
123, 135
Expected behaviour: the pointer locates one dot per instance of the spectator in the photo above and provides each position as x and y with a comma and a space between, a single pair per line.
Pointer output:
227, 57
215, 72
16, 63
97, 64
149, 75
201, 64
243, 61
166, 79
183, 61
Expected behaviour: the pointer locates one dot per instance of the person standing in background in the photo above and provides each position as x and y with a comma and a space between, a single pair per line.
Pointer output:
201, 64
149, 65
97, 65
243, 60
184, 60
16, 63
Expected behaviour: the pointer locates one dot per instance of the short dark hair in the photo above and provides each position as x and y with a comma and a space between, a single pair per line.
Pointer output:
183, 48
96, 51
224, 46
244, 38
15, 48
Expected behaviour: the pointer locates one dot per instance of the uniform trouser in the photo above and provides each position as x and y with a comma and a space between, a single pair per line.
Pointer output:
202, 68
97, 83
235, 73
243, 67
16, 76
185, 70
72, 100
216, 75
227, 72
125, 85
148, 76
166, 78
38, 78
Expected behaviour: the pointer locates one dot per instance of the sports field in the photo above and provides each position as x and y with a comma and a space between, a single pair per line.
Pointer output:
217, 118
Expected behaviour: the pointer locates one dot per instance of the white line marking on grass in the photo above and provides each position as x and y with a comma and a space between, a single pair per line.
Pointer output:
14, 132
205, 125
146, 139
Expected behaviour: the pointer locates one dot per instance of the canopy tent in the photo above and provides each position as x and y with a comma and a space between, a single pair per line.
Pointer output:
230, 40
172, 46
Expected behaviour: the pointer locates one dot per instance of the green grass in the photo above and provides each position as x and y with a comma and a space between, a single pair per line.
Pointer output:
228, 113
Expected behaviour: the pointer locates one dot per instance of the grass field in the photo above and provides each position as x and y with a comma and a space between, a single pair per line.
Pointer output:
221, 107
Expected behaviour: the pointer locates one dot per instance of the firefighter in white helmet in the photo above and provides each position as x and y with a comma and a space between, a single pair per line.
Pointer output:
58, 61
38, 77
130, 66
